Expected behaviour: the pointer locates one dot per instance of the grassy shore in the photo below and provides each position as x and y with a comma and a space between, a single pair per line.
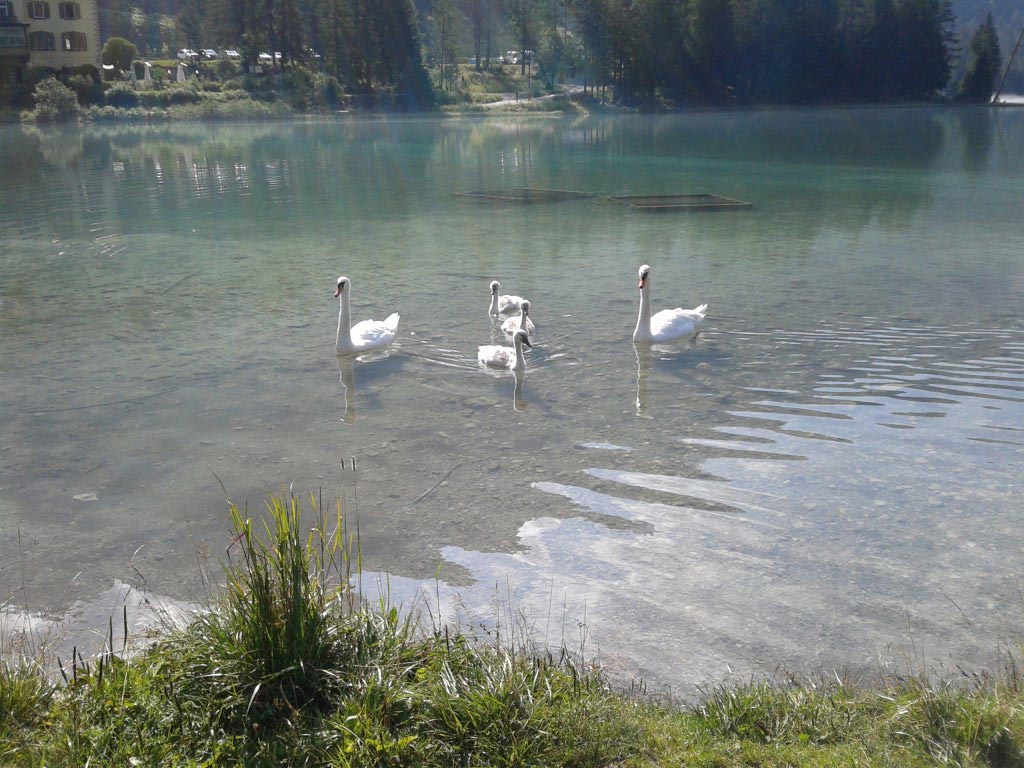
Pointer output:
290, 668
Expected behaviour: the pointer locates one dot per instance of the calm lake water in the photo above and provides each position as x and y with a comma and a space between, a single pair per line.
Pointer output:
829, 475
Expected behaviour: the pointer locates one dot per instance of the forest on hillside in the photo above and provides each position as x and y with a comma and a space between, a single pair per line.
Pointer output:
635, 51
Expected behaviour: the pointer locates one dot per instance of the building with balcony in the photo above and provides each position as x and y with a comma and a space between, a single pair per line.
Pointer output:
14, 53
48, 33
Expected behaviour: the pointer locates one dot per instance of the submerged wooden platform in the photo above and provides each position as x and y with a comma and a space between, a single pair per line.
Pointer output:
702, 202
524, 195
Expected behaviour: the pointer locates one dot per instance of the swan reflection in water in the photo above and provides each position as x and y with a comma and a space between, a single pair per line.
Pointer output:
346, 375
348, 380
643, 370
645, 354
518, 402
502, 358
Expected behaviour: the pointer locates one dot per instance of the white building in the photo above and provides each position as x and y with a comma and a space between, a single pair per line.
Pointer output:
52, 33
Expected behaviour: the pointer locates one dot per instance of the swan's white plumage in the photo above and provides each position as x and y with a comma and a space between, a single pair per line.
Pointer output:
503, 304
366, 334
514, 323
668, 324
509, 358
369, 334
676, 323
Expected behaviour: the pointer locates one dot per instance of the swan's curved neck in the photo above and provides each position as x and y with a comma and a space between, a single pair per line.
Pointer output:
494, 304
520, 357
643, 322
344, 324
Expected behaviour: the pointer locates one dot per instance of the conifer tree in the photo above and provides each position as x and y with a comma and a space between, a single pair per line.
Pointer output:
711, 27
986, 61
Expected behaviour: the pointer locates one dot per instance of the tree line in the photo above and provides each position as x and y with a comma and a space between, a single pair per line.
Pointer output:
769, 51
633, 51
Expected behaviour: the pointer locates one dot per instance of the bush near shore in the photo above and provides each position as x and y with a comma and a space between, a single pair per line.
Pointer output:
222, 91
290, 668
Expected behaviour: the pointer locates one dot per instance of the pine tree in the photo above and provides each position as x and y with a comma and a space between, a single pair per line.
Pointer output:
711, 27
986, 61
398, 63
921, 61
190, 23
445, 38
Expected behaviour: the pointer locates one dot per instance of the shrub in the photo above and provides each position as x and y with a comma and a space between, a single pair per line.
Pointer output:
100, 114
226, 69
55, 101
119, 52
87, 90
15, 95
170, 97
297, 82
123, 96
239, 109
327, 92
36, 73
90, 71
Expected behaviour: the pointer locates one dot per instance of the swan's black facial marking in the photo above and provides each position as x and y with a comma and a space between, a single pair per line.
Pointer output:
341, 287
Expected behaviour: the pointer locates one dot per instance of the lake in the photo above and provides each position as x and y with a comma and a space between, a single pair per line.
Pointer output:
829, 475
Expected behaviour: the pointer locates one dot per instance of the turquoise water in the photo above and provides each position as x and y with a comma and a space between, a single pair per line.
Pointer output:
828, 475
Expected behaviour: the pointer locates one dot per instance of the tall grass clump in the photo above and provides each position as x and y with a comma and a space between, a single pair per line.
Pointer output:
982, 724
25, 695
780, 712
272, 647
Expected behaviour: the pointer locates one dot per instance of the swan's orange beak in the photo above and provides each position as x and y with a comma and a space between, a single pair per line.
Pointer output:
642, 281
337, 293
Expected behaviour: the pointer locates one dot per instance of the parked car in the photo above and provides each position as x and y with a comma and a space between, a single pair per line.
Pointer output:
266, 58
187, 54
209, 53
230, 53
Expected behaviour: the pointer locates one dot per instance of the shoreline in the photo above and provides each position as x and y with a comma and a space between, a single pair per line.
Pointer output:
548, 105
284, 668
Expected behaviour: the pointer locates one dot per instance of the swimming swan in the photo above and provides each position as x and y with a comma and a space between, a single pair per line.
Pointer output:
365, 335
667, 325
513, 324
509, 358
505, 304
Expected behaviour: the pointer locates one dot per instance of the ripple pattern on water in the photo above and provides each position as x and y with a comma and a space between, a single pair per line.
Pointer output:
827, 475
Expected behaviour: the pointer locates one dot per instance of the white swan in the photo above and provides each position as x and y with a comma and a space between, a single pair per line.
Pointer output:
365, 335
509, 358
513, 324
504, 304
667, 325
